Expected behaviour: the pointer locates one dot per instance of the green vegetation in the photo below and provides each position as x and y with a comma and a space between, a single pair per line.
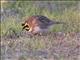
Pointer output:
71, 17
10, 26
62, 45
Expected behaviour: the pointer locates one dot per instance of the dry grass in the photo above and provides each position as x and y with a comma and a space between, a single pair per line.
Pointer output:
70, 17
64, 44
53, 46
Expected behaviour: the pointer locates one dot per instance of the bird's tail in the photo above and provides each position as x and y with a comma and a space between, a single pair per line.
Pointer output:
56, 22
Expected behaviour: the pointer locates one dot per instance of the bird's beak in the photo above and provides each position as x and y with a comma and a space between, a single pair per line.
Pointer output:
23, 24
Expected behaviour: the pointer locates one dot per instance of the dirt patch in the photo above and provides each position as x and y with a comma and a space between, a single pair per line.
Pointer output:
53, 46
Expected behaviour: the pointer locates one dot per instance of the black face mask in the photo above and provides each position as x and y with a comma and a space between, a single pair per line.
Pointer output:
26, 28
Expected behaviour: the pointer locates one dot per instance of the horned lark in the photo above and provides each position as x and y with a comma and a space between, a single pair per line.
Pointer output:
38, 24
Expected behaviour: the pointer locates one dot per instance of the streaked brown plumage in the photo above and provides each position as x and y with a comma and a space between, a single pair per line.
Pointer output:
37, 24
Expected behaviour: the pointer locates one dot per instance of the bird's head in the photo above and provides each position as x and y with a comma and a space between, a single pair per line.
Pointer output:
25, 26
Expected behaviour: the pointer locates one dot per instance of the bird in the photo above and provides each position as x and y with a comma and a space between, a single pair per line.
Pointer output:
38, 24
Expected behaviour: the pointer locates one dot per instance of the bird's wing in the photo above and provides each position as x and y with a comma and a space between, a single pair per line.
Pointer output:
44, 20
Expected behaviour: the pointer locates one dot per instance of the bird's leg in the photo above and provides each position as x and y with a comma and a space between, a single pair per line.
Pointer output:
42, 34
